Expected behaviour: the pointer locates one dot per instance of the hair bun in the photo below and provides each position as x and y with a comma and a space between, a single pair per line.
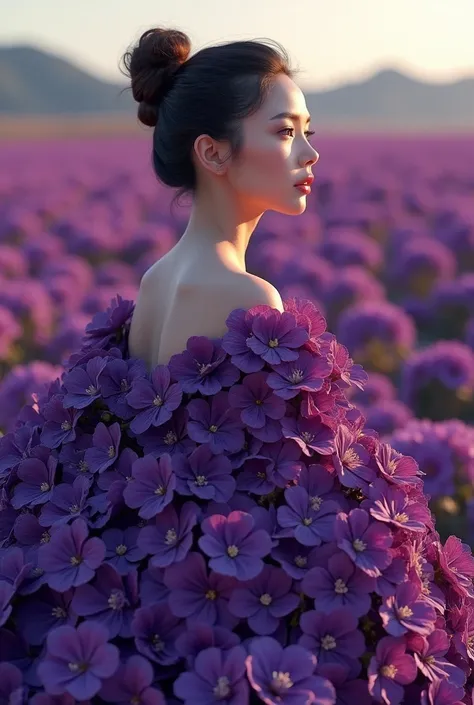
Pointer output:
151, 66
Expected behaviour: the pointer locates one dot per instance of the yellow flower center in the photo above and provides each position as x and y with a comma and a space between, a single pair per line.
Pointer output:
273, 343
171, 537
296, 376
359, 545
232, 551
388, 671
405, 612
340, 587
266, 599
402, 518
328, 642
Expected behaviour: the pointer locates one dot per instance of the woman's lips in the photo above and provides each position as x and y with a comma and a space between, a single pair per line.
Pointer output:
304, 188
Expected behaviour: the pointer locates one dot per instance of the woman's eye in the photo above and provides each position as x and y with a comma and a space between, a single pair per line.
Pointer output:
308, 133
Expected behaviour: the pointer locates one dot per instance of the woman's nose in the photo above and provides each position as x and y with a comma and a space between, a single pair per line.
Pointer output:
313, 158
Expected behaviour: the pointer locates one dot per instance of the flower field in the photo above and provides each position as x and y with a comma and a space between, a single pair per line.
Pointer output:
385, 250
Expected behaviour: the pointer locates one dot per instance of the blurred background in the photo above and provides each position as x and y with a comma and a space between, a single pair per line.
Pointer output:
385, 248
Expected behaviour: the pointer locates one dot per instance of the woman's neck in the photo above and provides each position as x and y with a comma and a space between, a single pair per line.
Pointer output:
215, 231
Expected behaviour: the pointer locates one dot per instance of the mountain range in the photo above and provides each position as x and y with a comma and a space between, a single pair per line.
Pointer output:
35, 82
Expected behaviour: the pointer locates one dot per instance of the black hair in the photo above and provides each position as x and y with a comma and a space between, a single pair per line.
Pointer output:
209, 93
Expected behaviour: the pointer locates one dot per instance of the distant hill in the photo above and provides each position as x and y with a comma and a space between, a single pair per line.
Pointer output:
35, 82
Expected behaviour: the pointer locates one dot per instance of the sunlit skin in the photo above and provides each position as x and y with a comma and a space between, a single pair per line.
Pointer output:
233, 194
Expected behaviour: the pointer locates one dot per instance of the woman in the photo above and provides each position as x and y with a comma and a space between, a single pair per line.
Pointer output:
194, 513
221, 134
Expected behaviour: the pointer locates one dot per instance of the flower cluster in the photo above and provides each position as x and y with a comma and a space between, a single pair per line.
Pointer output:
223, 528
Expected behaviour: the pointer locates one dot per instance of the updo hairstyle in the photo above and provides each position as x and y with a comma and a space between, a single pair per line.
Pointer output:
183, 97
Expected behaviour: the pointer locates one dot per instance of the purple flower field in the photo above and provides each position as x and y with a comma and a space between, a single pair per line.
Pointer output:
385, 250
260, 531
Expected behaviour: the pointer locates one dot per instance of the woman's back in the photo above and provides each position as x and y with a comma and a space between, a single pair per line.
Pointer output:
180, 297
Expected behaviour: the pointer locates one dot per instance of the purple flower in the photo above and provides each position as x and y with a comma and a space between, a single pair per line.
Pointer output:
14, 566
132, 684
340, 584
67, 502
11, 685
321, 485
216, 424
156, 398
234, 342
105, 447
306, 373
204, 475
349, 690
234, 546
284, 676
333, 638
310, 434
256, 401
203, 367
170, 438
40, 614
202, 636
265, 600
295, 558
109, 599
77, 660
116, 381
170, 538
121, 550
275, 337
442, 692
429, 653
152, 588
392, 576
70, 558
105, 325
309, 524
389, 670
396, 468
60, 423
198, 596
83, 385
29, 532
152, 486
155, 630
389, 504
365, 542
6, 593
45, 699
285, 465
457, 565
257, 476
350, 460
37, 480
217, 676
406, 611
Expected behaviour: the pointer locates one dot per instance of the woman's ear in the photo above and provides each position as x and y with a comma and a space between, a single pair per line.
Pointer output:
210, 153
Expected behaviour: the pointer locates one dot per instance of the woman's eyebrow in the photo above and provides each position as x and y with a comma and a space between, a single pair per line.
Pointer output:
291, 116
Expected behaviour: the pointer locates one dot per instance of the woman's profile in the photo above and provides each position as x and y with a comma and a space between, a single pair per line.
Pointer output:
194, 513
231, 127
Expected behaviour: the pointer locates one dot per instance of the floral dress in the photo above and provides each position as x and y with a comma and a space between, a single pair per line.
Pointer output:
222, 530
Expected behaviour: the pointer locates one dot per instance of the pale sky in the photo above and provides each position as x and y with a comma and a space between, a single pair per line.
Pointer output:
330, 41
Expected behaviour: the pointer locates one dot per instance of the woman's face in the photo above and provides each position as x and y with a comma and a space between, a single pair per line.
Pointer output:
276, 153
